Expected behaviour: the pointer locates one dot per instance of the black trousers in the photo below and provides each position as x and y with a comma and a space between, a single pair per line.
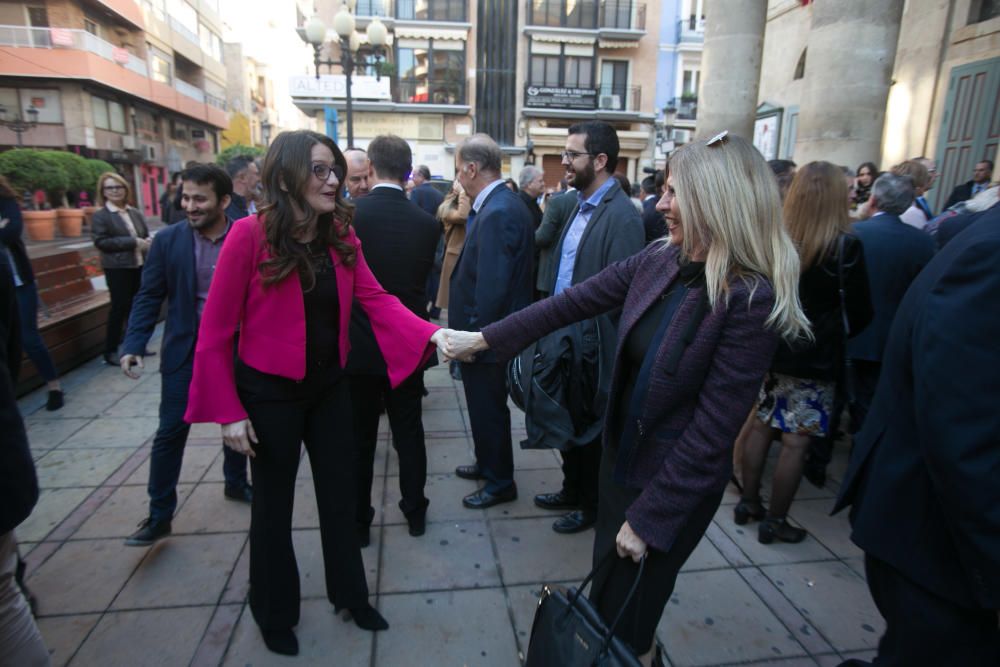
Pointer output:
581, 470
924, 629
485, 387
403, 406
284, 414
611, 585
123, 284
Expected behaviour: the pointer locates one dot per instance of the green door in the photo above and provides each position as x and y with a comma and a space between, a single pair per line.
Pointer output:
970, 129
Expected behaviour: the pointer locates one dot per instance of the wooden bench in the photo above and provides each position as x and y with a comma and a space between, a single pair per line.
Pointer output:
72, 315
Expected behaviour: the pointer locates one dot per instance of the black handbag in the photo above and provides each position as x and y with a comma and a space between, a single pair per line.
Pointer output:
568, 631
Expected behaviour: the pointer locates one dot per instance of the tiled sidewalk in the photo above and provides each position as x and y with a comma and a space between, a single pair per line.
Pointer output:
463, 594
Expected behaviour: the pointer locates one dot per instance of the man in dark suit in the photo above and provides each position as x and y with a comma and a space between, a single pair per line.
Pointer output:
243, 171
399, 242
492, 279
923, 474
20, 641
531, 185
603, 228
894, 254
652, 220
179, 269
980, 181
425, 195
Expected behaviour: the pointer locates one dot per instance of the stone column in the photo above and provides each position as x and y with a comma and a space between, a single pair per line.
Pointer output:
852, 48
730, 66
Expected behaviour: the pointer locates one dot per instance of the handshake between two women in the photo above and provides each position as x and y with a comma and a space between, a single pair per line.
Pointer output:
459, 345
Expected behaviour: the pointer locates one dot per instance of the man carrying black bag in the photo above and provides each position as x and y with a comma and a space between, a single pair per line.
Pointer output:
603, 228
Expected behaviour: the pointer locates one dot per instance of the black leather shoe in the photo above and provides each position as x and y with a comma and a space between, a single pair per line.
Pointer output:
779, 529
556, 501
55, 400
575, 522
283, 642
149, 531
482, 498
243, 494
469, 472
747, 510
417, 523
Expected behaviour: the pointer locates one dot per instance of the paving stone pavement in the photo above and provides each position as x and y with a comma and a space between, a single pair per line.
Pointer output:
463, 594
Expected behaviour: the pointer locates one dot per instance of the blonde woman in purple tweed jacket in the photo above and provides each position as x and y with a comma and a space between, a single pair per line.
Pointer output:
702, 313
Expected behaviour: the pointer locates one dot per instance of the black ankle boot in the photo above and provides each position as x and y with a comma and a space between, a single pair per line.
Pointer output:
368, 618
283, 642
746, 510
775, 528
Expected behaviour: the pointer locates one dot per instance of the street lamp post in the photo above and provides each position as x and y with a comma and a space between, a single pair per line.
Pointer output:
265, 132
18, 125
343, 25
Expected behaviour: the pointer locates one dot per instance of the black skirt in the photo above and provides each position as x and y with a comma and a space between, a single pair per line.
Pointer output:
612, 583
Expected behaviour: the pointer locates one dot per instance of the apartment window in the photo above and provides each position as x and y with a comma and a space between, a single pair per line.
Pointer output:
38, 17
690, 88
185, 14
90, 27
178, 131
211, 43
108, 114
44, 100
430, 10
614, 85
160, 65
431, 71
563, 65
158, 7
984, 10
564, 13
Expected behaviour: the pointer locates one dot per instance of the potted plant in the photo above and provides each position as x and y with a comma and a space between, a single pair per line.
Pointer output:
70, 220
29, 170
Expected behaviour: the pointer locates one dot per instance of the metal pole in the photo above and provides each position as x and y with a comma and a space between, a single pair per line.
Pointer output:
19, 132
348, 64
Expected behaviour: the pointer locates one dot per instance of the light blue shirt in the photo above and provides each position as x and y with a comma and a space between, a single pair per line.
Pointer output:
481, 197
571, 242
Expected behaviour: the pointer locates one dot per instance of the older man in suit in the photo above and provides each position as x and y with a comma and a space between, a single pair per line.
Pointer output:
399, 240
179, 269
491, 280
923, 474
604, 227
894, 254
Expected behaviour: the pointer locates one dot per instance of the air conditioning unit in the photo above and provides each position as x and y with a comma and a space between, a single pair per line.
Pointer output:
611, 102
148, 153
128, 143
681, 136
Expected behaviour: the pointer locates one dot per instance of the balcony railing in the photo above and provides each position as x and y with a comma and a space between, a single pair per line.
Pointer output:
587, 14
687, 107
185, 88
214, 101
68, 38
382, 8
186, 32
414, 10
691, 30
422, 91
611, 97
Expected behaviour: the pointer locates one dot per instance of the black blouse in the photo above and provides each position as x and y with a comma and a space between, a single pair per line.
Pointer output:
322, 309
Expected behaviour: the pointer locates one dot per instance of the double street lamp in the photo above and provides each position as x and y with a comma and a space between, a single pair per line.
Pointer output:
18, 125
344, 24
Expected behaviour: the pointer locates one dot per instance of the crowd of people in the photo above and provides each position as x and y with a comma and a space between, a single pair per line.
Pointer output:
660, 338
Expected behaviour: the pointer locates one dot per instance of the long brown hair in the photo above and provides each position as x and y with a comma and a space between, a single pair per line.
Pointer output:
286, 174
816, 210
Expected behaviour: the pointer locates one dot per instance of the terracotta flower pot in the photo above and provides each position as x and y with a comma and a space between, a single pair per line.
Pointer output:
70, 221
40, 225
88, 215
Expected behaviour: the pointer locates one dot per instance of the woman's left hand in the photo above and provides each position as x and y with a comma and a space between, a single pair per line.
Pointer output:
629, 544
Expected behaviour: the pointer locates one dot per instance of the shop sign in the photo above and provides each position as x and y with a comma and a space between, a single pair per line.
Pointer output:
334, 86
552, 97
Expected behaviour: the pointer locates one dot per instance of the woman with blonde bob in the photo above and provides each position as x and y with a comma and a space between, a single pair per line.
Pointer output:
798, 396
119, 231
701, 316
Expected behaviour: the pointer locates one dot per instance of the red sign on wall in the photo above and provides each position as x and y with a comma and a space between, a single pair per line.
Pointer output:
120, 55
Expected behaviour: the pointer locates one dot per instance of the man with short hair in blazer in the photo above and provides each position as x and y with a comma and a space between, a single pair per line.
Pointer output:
604, 227
895, 253
923, 475
491, 280
399, 241
179, 268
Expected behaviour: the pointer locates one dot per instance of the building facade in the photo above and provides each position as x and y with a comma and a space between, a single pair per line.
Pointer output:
678, 73
250, 100
927, 83
141, 85
521, 71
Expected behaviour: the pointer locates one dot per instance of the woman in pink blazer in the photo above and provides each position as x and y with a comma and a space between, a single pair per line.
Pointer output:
285, 280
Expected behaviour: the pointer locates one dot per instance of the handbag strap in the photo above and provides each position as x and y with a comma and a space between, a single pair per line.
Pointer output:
573, 597
628, 599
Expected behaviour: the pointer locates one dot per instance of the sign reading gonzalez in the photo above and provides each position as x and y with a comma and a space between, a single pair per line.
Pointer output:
547, 97
335, 86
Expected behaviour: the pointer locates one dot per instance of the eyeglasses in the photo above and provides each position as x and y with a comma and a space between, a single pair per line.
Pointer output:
323, 171
113, 187
718, 139
572, 155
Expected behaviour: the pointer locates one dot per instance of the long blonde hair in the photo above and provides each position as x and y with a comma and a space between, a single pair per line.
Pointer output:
816, 211
729, 204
